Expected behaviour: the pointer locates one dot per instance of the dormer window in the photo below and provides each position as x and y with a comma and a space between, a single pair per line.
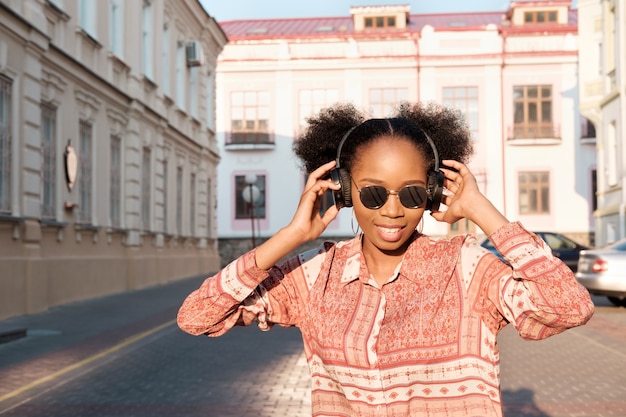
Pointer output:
380, 22
380, 17
540, 16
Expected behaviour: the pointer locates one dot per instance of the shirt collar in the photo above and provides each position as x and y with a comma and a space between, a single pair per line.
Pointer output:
422, 249
352, 268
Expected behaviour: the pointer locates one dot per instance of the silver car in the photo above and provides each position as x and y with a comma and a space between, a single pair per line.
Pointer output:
603, 271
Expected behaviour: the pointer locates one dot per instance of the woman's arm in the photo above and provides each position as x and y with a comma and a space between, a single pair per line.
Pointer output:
251, 288
537, 292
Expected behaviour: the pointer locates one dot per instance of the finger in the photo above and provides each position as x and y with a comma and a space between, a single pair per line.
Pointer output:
330, 215
318, 174
322, 171
452, 163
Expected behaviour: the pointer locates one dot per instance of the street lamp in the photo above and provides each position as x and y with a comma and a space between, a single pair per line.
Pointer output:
250, 194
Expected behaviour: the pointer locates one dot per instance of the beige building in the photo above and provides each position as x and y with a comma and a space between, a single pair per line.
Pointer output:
108, 154
513, 74
603, 102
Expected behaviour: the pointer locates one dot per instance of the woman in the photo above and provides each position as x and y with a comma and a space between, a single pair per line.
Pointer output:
395, 323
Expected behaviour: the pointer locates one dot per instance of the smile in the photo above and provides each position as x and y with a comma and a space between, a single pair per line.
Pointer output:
389, 230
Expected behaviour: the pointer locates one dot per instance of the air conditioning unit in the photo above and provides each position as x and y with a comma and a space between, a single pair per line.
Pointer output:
195, 56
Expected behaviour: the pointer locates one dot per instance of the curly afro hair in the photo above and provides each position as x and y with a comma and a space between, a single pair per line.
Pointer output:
445, 126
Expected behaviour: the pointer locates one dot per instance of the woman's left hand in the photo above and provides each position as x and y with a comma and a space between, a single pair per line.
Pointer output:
464, 200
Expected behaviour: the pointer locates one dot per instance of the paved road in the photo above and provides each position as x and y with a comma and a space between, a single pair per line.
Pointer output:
124, 356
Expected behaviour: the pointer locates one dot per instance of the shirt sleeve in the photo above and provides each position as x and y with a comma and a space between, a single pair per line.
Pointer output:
536, 292
242, 294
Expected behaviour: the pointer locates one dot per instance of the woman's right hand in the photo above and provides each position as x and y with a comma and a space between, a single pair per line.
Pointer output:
307, 223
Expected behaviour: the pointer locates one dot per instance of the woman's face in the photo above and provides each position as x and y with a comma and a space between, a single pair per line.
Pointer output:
392, 163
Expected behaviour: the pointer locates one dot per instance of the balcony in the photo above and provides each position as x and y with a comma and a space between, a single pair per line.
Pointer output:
534, 134
249, 140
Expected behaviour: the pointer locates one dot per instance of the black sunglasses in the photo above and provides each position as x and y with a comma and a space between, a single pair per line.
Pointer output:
375, 196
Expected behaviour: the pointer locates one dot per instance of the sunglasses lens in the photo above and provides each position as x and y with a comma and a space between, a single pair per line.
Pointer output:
373, 196
412, 196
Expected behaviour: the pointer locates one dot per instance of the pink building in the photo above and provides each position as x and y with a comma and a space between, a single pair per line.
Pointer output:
513, 74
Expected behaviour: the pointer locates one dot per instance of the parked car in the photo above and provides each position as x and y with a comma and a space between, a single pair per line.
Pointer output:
603, 271
562, 247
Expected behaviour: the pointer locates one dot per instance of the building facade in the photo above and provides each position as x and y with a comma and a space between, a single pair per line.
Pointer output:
602, 101
108, 153
514, 75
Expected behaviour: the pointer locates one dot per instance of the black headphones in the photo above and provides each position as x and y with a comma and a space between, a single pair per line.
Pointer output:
341, 177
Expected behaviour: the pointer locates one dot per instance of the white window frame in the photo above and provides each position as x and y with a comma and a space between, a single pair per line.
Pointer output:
165, 61
117, 28
85, 180
49, 158
146, 188
181, 66
6, 143
115, 178
147, 40
87, 17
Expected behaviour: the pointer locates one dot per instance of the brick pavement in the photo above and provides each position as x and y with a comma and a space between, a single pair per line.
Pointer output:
251, 373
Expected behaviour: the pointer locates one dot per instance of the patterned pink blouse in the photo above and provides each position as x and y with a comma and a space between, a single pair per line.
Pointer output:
422, 345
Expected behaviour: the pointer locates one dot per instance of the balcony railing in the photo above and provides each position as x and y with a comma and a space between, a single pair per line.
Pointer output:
534, 131
248, 138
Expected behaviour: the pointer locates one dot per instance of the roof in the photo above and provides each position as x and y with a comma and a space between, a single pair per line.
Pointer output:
343, 25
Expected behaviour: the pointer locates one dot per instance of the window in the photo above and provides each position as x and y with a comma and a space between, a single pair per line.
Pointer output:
84, 172
165, 61
115, 175
117, 28
87, 17
192, 204
210, 101
383, 100
194, 91
380, 22
5, 144
594, 189
180, 76
534, 192
587, 129
249, 201
179, 200
147, 47
165, 197
532, 112
48, 154
146, 185
209, 211
611, 154
312, 101
464, 99
250, 117
540, 17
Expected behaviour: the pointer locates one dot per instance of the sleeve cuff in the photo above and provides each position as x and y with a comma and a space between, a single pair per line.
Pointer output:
242, 276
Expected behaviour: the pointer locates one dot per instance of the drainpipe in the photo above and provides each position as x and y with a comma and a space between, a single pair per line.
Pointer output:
418, 65
503, 127
622, 219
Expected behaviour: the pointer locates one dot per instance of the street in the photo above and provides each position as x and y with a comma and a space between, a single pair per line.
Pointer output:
123, 355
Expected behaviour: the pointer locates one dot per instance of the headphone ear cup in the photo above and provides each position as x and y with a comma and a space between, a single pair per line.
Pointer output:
346, 187
435, 189
342, 196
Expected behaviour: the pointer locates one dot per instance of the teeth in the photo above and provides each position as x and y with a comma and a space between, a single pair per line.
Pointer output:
388, 230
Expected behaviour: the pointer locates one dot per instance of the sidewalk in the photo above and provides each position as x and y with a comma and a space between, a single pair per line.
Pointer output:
67, 334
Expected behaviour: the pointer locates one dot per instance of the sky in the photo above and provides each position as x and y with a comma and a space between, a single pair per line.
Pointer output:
223, 10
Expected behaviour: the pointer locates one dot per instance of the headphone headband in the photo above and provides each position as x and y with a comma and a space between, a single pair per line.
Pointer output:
347, 134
